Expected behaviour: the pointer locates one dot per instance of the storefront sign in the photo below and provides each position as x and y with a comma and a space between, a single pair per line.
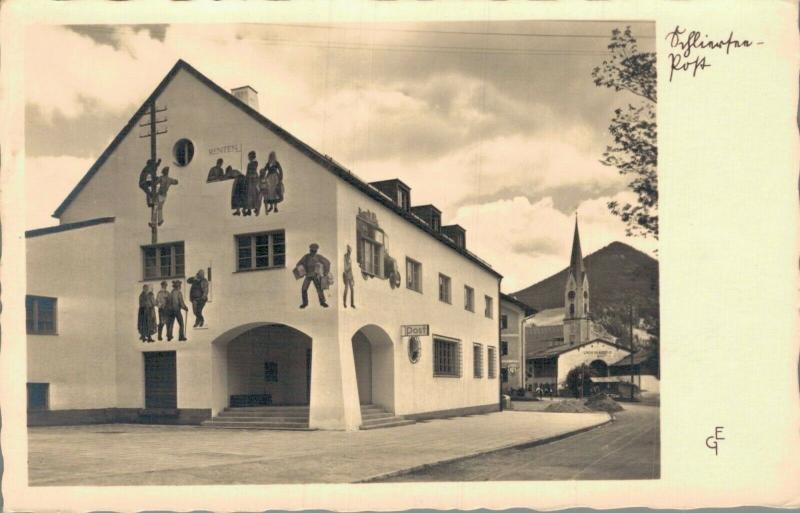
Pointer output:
415, 330
229, 148
598, 353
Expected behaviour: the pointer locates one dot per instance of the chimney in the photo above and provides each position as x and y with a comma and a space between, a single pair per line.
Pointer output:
247, 95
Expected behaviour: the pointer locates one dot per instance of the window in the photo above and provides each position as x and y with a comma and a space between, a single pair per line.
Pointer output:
163, 261
446, 358
444, 288
40, 315
370, 247
403, 198
504, 322
504, 375
489, 312
469, 299
183, 151
38, 396
436, 222
477, 360
492, 363
271, 372
265, 250
413, 275
503, 348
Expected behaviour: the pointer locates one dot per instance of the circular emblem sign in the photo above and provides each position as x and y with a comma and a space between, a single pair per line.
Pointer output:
414, 349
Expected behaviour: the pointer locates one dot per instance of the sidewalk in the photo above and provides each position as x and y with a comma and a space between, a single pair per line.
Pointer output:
126, 454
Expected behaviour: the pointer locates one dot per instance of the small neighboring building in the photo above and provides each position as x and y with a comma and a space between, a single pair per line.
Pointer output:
512, 342
559, 339
644, 368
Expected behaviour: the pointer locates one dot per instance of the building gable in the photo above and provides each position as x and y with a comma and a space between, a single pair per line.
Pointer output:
324, 161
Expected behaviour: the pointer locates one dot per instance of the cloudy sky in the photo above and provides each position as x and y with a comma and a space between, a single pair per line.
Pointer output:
496, 123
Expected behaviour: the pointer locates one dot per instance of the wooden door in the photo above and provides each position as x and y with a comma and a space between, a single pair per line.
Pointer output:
160, 380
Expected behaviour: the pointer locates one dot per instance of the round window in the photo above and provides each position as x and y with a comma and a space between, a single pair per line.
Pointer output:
414, 349
571, 295
183, 151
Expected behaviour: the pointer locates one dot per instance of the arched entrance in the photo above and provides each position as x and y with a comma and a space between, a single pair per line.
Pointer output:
599, 368
262, 364
373, 354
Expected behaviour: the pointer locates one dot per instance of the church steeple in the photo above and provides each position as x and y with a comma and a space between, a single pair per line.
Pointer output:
576, 259
576, 293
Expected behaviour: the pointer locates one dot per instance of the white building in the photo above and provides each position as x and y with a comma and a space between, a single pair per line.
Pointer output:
331, 368
512, 342
560, 339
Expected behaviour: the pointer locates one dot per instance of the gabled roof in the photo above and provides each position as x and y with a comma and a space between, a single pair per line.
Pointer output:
550, 352
67, 226
527, 309
638, 358
323, 160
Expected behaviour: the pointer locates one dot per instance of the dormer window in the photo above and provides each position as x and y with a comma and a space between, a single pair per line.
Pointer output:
403, 198
436, 222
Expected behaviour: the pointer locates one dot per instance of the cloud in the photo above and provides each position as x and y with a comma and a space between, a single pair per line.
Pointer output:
47, 182
539, 236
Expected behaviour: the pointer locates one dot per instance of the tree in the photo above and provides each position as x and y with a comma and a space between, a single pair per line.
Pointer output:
634, 151
580, 377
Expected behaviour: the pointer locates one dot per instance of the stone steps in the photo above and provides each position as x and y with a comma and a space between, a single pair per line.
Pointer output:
375, 417
295, 418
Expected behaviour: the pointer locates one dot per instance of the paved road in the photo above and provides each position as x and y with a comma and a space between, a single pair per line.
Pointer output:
628, 448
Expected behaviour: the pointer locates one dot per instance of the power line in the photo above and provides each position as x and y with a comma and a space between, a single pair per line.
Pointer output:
458, 32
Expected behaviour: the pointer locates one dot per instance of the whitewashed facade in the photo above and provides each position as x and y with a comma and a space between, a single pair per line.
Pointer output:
256, 341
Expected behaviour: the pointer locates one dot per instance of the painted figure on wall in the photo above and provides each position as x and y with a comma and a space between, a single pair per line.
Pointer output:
313, 268
148, 179
216, 173
198, 296
372, 252
162, 300
175, 308
147, 315
347, 277
238, 190
272, 184
163, 184
253, 193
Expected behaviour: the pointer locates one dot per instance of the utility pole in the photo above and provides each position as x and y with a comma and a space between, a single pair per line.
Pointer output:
151, 124
630, 324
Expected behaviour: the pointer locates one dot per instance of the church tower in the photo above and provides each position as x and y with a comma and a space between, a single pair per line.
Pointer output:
576, 296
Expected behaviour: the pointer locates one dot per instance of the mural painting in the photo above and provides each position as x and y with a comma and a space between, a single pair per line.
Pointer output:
313, 268
347, 277
255, 187
271, 182
175, 308
161, 303
198, 296
372, 254
146, 321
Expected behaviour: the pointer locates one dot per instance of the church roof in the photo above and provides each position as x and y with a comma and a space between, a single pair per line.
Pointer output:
323, 160
548, 317
549, 352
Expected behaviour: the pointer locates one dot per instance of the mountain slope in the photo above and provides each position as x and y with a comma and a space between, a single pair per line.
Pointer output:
618, 275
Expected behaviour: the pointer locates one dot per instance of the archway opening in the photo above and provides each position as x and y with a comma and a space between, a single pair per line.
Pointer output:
373, 355
599, 368
266, 364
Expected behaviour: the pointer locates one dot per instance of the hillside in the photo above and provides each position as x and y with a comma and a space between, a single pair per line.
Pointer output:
617, 274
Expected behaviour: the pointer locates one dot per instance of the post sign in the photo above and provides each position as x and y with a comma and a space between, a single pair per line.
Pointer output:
415, 330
